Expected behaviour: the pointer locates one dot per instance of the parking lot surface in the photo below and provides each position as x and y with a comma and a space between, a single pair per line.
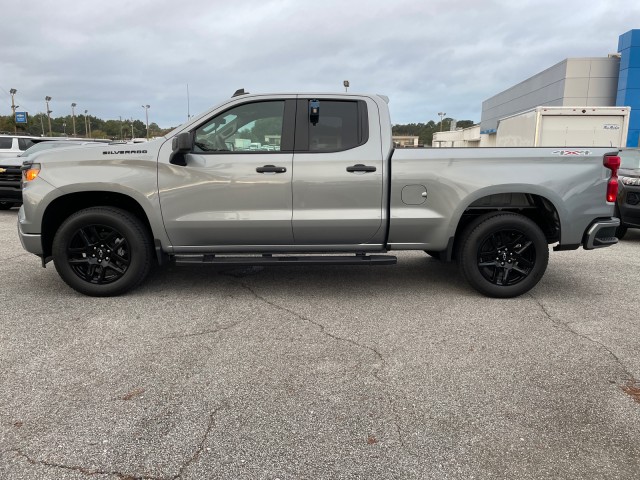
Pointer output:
321, 372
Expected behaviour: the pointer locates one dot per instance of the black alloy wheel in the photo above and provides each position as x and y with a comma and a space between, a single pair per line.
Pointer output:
506, 257
503, 254
102, 251
99, 254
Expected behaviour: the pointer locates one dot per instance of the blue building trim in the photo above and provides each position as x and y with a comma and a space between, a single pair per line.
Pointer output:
629, 82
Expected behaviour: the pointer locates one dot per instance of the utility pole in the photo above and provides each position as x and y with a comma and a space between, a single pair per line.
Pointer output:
13, 91
146, 111
442, 114
73, 117
49, 112
132, 129
86, 128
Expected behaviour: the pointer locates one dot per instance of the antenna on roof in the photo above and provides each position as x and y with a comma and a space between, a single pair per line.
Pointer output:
239, 92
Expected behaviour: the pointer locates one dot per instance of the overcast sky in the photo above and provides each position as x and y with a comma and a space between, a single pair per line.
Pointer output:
428, 56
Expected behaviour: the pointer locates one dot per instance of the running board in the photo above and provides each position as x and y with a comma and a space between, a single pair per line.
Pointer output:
286, 260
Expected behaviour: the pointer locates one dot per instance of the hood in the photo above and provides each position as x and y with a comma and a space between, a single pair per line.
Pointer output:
105, 152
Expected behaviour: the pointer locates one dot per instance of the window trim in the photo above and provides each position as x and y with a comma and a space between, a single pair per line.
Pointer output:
288, 127
302, 119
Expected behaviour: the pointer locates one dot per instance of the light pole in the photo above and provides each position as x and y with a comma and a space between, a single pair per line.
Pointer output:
64, 128
47, 99
442, 114
146, 112
13, 91
73, 117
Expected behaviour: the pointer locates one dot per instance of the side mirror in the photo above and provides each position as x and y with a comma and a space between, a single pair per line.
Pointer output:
181, 144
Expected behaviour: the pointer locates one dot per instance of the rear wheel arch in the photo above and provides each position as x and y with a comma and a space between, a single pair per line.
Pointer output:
537, 208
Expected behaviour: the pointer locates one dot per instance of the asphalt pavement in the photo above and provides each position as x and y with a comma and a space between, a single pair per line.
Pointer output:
389, 372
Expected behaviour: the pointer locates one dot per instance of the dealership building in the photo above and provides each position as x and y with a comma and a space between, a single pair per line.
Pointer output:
573, 89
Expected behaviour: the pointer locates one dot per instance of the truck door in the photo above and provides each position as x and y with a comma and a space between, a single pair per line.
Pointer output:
235, 188
337, 173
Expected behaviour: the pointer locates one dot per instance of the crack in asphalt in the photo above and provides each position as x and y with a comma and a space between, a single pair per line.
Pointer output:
80, 469
196, 455
127, 476
376, 371
631, 380
203, 332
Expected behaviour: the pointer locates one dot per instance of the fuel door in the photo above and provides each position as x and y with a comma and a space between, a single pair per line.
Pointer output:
414, 194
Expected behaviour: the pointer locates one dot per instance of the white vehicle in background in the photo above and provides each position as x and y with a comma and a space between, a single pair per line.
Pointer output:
11, 176
13, 145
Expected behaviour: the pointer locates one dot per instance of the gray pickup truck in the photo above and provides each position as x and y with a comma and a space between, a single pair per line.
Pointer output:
310, 179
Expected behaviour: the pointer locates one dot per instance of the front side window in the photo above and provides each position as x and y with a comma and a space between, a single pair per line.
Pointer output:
251, 127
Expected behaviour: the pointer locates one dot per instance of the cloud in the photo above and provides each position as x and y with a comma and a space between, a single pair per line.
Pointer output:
427, 57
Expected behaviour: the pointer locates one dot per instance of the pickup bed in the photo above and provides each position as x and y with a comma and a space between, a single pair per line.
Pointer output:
311, 179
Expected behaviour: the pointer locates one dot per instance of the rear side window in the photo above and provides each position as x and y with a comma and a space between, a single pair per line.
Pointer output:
6, 142
24, 143
339, 125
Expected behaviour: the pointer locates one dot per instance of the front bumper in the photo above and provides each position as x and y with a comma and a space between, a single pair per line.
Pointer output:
31, 242
601, 233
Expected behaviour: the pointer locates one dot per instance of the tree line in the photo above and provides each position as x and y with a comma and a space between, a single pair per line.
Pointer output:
426, 130
126, 129
85, 126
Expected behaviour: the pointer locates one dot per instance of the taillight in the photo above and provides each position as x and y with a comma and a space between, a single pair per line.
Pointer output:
612, 162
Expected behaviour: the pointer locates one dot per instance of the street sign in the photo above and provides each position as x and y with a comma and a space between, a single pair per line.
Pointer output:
22, 117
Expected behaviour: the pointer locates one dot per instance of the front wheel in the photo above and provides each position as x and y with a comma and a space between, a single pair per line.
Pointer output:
102, 251
503, 255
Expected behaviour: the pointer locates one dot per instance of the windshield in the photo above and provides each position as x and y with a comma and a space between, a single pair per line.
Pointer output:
38, 147
629, 159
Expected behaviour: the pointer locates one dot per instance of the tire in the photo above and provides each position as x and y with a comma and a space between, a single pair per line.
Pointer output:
503, 255
6, 205
621, 231
102, 251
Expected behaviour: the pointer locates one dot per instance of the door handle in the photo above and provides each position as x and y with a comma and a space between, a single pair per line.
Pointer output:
271, 169
361, 168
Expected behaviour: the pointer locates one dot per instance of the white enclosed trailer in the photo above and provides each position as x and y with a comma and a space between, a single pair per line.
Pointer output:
565, 127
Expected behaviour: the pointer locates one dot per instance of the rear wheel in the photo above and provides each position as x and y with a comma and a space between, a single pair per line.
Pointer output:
6, 205
102, 251
503, 255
